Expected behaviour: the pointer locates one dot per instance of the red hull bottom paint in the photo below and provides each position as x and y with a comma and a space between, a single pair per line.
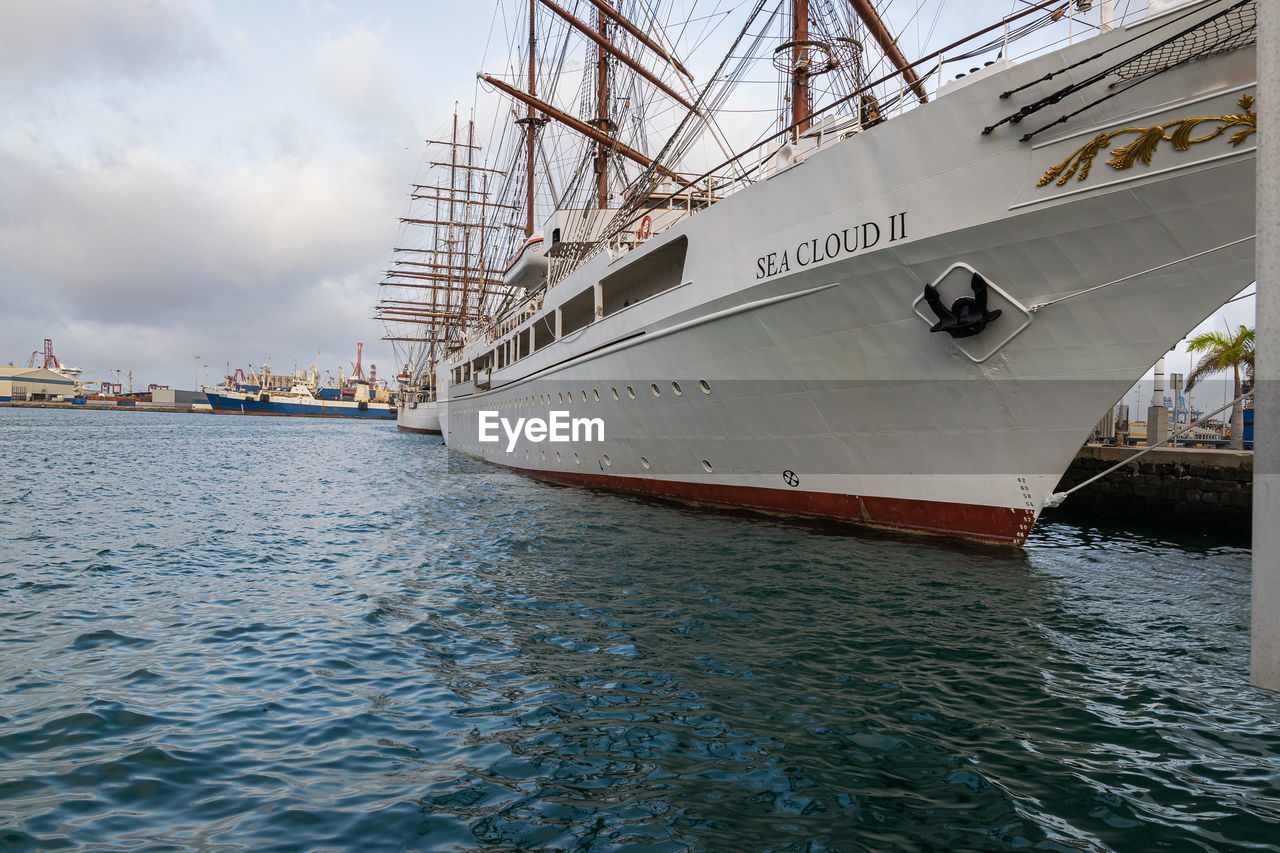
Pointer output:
419, 430
988, 524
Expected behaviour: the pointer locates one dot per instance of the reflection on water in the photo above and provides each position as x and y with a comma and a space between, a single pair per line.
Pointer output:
249, 633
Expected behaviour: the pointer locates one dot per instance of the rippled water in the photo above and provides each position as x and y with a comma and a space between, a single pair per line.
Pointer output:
247, 633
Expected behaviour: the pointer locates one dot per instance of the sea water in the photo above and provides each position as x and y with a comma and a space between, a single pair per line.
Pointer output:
229, 633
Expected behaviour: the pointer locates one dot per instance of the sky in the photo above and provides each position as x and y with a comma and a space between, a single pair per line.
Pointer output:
213, 177
187, 184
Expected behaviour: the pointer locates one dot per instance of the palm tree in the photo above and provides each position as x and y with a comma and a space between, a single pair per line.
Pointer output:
1223, 352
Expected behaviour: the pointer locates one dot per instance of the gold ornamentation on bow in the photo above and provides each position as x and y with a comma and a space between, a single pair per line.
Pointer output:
1177, 132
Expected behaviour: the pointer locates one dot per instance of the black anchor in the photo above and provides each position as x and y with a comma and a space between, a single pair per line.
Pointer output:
968, 315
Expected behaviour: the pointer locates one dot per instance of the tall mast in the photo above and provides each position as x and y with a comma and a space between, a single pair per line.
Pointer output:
602, 112
800, 107
466, 232
875, 25
453, 169
530, 129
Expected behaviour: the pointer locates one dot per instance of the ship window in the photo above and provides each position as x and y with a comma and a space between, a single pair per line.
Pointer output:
576, 460
614, 392
631, 392
653, 386
644, 462
543, 330
608, 463
676, 389
595, 395
705, 386
706, 466
656, 272
578, 312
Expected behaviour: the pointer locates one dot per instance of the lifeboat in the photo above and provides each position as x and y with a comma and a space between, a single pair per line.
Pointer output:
528, 268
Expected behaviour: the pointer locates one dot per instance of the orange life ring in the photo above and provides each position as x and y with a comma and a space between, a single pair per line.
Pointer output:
646, 225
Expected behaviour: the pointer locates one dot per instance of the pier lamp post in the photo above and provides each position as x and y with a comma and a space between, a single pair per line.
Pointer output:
197, 386
1265, 648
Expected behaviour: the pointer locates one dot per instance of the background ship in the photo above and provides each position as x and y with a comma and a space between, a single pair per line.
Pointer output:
433, 292
301, 394
905, 321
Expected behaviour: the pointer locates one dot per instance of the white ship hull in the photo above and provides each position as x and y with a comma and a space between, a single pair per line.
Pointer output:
810, 382
418, 416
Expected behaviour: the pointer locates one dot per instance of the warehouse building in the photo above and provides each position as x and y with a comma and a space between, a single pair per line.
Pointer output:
176, 398
34, 383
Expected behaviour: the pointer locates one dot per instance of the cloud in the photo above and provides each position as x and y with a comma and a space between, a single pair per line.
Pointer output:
52, 40
354, 72
142, 254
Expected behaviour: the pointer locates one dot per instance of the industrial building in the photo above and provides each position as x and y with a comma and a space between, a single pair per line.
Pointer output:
34, 383
176, 398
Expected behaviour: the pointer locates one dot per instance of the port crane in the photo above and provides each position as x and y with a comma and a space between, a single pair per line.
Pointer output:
357, 372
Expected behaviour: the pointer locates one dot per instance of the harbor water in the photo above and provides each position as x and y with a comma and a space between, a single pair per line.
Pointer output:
230, 633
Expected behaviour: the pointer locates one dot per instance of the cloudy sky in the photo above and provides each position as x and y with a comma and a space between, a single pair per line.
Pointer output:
212, 177
222, 177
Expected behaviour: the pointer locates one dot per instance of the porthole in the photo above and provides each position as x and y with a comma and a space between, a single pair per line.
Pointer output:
526, 454
676, 389
595, 395
705, 386
706, 466
631, 392
543, 454
644, 463
653, 386
558, 459
608, 463
615, 392
584, 396
576, 460
560, 397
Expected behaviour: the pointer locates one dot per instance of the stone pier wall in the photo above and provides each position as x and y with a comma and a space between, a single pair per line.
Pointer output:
1186, 488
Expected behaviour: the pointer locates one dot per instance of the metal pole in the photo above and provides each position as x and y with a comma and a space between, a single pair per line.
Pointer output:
1265, 657
1107, 16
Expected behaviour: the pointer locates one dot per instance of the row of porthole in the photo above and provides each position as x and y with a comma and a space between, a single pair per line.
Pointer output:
545, 399
608, 463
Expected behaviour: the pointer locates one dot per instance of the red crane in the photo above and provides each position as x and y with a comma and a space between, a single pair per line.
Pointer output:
357, 372
50, 360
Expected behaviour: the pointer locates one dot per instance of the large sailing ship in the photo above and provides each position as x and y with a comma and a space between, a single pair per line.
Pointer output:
905, 306
432, 294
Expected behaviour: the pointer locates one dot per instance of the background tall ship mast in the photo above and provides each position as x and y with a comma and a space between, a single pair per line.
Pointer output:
904, 304
437, 283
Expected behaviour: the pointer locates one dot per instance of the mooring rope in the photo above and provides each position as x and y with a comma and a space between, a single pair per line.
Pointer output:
1033, 308
1057, 498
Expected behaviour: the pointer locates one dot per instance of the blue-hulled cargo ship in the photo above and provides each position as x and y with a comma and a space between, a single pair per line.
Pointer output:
299, 401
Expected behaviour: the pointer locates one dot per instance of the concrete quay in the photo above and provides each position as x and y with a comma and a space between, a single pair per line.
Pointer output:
98, 405
1192, 489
